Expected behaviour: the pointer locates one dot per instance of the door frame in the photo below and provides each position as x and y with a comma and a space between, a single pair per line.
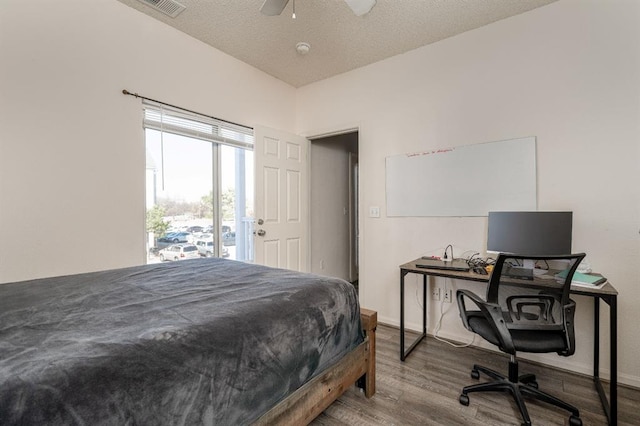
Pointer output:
326, 133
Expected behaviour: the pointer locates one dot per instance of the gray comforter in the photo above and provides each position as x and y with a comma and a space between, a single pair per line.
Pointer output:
205, 341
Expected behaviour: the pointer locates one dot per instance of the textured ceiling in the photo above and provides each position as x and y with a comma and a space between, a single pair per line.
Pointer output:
340, 41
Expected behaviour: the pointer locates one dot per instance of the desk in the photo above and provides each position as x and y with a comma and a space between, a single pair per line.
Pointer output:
606, 293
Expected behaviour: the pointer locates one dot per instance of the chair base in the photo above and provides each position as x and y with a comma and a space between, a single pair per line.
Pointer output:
519, 387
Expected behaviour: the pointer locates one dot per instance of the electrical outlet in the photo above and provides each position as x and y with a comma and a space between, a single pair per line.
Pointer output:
448, 295
435, 294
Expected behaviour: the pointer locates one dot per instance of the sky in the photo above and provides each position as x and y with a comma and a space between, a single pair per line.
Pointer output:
186, 164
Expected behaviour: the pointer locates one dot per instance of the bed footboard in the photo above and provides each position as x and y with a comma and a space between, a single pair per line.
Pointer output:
369, 320
359, 366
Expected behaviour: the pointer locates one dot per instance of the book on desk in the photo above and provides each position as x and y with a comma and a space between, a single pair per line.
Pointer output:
585, 280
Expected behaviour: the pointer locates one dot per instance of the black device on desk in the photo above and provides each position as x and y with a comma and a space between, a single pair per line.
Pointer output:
518, 273
452, 265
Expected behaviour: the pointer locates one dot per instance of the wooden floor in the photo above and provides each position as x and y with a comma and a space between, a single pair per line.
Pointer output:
424, 390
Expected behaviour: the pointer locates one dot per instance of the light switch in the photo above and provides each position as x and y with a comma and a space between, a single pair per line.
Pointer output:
374, 211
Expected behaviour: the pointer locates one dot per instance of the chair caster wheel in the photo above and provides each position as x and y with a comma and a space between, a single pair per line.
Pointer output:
575, 421
464, 400
475, 374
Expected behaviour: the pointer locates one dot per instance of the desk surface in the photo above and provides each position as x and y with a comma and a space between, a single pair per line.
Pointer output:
606, 289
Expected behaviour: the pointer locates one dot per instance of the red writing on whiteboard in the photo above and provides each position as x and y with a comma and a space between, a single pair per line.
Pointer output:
435, 151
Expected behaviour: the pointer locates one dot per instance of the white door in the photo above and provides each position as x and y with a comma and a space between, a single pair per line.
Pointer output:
282, 201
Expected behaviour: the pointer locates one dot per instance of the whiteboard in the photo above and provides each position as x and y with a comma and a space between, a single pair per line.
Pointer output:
468, 180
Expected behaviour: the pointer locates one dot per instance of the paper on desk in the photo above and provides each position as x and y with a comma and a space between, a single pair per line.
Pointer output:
584, 280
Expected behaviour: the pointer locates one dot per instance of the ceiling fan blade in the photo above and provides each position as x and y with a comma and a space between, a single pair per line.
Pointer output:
361, 7
274, 7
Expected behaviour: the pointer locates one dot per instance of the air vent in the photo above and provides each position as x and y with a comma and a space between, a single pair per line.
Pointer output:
168, 7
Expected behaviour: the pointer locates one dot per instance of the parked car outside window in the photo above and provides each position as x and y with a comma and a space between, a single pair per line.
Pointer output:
206, 248
179, 252
175, 237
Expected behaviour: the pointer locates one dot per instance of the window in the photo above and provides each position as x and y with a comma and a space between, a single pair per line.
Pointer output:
199, 173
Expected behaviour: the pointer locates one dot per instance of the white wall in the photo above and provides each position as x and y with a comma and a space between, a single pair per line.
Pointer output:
71, 181
567, 73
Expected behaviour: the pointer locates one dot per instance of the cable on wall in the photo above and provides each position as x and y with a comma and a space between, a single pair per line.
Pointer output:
439, 324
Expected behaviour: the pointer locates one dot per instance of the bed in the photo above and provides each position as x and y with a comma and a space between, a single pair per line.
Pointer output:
203, 341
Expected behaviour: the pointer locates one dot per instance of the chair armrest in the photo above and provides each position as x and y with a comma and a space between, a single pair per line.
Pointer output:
460, 295
492, 313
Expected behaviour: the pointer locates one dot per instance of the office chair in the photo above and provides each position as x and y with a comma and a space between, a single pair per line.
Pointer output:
526, 310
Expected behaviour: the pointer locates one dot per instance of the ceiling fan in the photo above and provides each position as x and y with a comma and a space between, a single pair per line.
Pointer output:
275, 7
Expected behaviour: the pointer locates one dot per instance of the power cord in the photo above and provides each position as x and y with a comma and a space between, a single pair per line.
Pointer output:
418, 298
445, 252
439, 325
472, 261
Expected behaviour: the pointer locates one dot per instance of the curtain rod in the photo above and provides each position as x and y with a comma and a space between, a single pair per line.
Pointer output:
126, 92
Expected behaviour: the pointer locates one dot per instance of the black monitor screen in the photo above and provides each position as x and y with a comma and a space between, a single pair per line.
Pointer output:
533, 233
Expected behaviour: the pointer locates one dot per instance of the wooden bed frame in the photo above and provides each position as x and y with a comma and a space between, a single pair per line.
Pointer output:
359, 366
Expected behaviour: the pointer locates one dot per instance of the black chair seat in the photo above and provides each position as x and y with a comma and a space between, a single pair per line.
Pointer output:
523, 340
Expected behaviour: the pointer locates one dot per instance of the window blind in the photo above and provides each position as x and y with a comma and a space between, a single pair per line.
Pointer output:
173, 120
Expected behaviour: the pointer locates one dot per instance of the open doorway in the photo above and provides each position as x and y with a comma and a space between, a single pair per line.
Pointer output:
334, 206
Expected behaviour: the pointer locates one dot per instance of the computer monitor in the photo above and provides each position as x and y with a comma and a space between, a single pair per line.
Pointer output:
540, 233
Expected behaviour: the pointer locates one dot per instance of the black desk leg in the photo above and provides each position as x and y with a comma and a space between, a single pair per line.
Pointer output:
403, 353
611, 406
596, 339
613, 330
402, 275
424, 305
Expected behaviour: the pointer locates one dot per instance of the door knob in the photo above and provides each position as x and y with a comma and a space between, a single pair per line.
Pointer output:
261, 232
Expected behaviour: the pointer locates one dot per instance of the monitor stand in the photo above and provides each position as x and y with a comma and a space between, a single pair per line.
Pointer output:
525, 272
531, 264
519, 273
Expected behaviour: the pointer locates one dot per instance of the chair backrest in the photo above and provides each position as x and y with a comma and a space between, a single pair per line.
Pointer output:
534, 299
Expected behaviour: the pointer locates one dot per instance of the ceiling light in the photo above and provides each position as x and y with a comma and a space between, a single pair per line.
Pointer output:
361, 7
303, 48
